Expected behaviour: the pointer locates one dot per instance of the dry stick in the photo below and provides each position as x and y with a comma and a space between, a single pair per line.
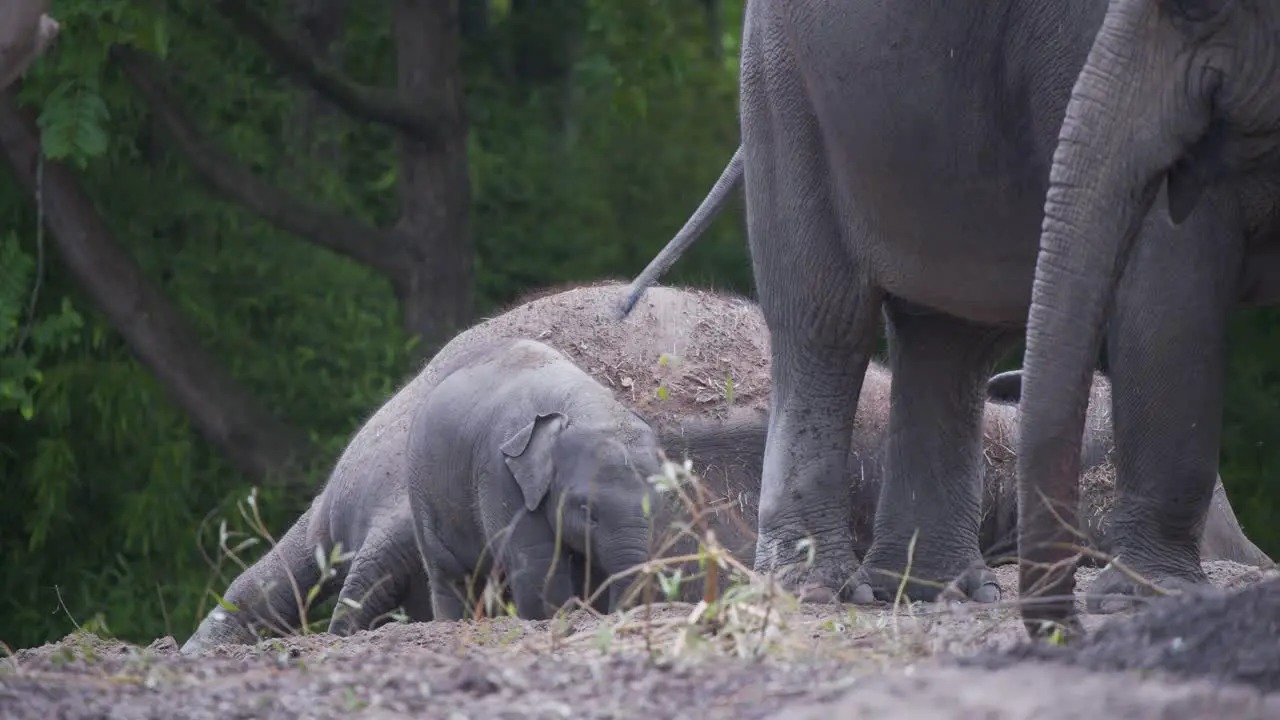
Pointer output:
261, 528
164, 611
473, 578
214, 566
1111, 560
902, 585
57, 591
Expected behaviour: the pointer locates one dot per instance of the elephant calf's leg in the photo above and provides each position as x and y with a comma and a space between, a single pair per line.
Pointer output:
538, 569
933, 467
374, 587
450, 597
417, 599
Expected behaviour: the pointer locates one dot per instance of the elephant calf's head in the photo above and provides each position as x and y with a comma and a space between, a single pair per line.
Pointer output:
591, 479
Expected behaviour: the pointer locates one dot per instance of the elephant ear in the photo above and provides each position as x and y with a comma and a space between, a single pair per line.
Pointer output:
528, 455
1005, 388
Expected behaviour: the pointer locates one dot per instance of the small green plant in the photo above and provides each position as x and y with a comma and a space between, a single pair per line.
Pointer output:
352, 701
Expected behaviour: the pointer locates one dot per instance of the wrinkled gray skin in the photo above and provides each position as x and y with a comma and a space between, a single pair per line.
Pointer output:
1222, 537
736, 478
1174, 121
517, 457
895, 159
25, 32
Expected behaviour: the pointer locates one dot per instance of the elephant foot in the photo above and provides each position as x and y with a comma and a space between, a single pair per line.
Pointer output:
822, 578
1115, 591
957, 582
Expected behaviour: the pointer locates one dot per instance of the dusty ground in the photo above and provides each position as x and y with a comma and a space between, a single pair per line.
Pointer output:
820, 663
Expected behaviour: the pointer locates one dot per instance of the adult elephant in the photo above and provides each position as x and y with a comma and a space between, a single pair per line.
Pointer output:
895, 157
1180, 94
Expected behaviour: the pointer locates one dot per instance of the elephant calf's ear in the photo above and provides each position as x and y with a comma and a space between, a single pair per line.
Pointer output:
1005, 387
528, 456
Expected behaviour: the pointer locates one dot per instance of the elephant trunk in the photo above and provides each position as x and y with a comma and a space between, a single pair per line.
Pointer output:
620, 552
1118, 140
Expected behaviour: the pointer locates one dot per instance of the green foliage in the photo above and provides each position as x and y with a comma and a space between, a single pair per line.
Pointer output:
25, 339
71, 126
112, 499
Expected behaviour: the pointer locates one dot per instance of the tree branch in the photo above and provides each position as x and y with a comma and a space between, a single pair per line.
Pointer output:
348, 237
25, 31
221, 410
422, 122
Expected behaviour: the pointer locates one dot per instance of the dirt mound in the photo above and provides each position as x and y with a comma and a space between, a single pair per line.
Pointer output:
1215, 633
853, 662
1037, 692
680, 352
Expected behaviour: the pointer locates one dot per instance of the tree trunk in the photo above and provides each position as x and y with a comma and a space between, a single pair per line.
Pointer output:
435, 186
715, 28
321, 24
223, 412
473, 20
25, 32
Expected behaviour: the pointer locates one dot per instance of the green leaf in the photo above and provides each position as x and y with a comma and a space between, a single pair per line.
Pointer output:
72, 123
160, 37
224, 603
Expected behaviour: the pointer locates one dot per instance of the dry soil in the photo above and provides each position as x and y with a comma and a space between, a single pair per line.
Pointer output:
1205, 657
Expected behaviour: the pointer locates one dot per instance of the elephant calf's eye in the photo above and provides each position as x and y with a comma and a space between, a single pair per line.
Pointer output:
590, 514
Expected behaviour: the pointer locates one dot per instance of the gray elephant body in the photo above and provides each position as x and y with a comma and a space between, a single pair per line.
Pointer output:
733, 480
895, 158
364, 504
518, 458
1173, 122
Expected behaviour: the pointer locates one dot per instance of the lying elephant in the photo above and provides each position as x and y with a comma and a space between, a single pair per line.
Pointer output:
682, 342
515, 456
364, 504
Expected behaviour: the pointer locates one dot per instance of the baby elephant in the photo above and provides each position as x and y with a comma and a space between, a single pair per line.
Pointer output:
520, 459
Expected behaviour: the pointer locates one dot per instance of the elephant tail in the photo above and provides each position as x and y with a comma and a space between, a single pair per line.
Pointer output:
706, 213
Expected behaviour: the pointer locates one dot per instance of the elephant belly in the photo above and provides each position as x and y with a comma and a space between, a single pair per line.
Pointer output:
939, 137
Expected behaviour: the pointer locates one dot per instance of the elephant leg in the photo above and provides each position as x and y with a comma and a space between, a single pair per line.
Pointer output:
1167, 351
417, 599
538, 568
933, 480
448, 595
374, 586
822, 313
